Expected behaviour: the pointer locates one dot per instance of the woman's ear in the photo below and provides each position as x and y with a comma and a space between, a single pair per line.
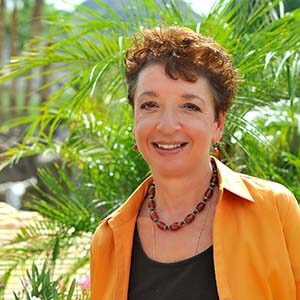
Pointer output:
220, 123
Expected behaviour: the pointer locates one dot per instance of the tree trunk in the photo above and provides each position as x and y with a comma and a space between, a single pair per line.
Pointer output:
2, 38
13, 52
36, 28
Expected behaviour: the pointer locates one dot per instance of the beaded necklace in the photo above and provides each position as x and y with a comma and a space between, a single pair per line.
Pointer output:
151, 203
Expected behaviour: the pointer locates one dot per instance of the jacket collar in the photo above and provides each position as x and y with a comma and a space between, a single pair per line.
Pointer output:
130, 208
228, 180
232, 181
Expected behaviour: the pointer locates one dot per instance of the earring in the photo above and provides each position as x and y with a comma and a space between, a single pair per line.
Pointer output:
216, 151
135, 146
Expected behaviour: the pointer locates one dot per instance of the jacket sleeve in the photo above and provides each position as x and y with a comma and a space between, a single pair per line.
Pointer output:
102, 263
291, 228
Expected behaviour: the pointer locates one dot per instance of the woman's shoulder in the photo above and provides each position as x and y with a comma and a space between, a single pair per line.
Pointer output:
269, 192
264, 186
252, 188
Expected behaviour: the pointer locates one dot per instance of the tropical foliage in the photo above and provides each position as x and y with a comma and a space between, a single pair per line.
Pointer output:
39, 285
96, 168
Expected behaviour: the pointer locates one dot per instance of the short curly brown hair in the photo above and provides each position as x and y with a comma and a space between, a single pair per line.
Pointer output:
186, 55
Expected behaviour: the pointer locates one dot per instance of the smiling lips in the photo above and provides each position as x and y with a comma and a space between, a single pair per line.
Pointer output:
169, 146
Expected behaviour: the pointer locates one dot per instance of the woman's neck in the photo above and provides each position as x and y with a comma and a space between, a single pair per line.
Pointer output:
178, 195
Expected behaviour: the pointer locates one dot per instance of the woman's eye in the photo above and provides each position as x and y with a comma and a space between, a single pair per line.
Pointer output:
148, 105
192, 107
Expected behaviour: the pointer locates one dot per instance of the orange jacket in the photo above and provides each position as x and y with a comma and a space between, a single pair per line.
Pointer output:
256, 239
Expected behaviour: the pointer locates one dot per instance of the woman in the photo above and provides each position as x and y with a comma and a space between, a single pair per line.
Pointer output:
195, 229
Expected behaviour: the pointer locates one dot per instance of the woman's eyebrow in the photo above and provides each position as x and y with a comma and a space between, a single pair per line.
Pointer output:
192, 97
148, 93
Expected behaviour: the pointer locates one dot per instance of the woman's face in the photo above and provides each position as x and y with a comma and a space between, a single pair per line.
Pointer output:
174, 122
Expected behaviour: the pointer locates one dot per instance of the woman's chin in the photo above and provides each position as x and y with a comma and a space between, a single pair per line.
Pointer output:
170, 170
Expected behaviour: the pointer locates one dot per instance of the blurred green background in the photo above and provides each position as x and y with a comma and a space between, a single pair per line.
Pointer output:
65, 125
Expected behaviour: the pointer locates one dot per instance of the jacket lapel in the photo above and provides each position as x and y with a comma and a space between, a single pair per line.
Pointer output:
122, 223
123, 238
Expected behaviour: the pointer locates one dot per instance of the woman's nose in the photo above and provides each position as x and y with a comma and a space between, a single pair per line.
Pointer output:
168, 122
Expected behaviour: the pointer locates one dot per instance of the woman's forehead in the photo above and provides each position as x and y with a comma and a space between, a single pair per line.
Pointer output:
153, 81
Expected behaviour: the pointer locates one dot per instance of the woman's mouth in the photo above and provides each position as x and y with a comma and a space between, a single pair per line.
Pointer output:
169, 147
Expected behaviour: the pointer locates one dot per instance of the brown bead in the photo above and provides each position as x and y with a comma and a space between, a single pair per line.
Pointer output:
208, 193
214, 180
161, 225
154, 216
151, 204
200, 206
189, 218
151, 190
175, 226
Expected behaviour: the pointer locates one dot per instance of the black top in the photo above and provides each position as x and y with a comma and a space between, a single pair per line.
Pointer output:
189, 279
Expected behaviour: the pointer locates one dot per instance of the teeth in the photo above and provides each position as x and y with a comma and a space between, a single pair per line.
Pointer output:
168, 146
